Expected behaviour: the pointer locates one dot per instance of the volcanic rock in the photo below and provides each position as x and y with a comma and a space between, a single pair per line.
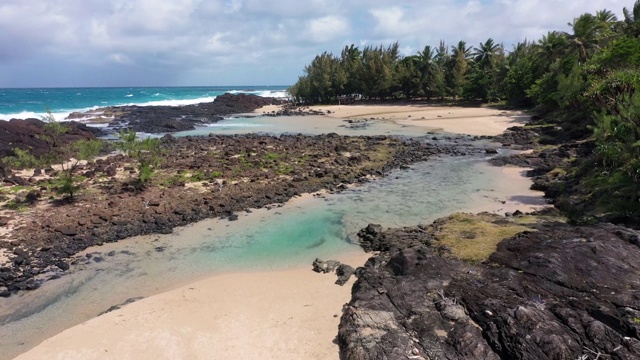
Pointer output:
561, 292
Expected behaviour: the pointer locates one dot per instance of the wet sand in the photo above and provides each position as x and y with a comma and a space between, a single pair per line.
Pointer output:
285, 314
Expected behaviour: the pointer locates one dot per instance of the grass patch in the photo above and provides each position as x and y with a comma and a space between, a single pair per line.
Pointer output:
474, 237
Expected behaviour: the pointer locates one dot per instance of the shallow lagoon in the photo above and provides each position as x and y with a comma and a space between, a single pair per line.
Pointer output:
292, 235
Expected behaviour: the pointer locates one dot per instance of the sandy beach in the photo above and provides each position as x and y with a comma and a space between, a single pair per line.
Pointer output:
285, 314
282, 314
451, 119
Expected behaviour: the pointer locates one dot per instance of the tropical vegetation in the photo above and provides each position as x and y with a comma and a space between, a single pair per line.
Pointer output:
583, 81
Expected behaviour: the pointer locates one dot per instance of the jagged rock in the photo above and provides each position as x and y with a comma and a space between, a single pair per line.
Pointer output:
344, 273
558, 293
25, 134
321, 266
62, 265
372, 238
165, 119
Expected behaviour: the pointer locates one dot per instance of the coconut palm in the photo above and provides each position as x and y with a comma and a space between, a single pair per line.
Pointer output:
485, 54
427, 60
631, 22
519, 52
461, 50
431, 72
551, 47
584, 39
606, 16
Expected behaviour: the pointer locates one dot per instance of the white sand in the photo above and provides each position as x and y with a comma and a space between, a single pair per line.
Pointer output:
452, 119
286, 314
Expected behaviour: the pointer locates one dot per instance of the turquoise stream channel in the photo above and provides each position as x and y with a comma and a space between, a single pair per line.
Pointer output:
292, 235
288, 236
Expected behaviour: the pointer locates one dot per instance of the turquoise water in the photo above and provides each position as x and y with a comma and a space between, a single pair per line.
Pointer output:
25, 103
293, 235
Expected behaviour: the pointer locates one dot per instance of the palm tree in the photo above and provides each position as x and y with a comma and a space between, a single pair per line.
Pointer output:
427, 60
485, 54
461, 50
584, 41
631, 22
605, 16
519, 52
432, 76
551, 47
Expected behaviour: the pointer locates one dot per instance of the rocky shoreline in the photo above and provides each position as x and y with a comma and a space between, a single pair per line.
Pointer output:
554, 291
551, 291
168, 119
201, 177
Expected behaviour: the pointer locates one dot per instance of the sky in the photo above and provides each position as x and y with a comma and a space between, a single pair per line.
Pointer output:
74, 43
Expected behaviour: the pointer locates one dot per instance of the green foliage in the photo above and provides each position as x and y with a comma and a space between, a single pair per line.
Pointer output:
22, 159
520, 78
66, 184
146, 152
270, 157
87, 149
585, 82
53, 130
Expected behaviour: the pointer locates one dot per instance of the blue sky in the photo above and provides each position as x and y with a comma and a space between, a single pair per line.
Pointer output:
243, 42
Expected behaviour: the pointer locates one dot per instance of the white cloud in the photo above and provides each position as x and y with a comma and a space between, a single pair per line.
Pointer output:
233, 41
327, 28
217, 44
390, 21
120, 59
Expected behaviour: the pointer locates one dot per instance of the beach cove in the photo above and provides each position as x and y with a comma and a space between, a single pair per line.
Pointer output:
471, 184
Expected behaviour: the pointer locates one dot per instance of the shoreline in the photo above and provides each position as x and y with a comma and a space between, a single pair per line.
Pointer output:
237, 315
450, 119
238, 283
135, 325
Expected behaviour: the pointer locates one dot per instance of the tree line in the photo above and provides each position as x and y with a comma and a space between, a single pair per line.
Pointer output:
379, 72
583, 80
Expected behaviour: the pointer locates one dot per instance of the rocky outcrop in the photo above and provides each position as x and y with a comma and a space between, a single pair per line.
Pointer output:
560, 292
27, 134
325, 266
343, 271
167, 119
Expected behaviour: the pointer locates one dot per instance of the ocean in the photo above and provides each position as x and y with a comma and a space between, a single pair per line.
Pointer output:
36, 102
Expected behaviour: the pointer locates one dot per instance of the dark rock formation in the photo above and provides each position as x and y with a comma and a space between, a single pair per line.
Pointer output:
322, 266
344, 273
163, 119
26, 134
560, 292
